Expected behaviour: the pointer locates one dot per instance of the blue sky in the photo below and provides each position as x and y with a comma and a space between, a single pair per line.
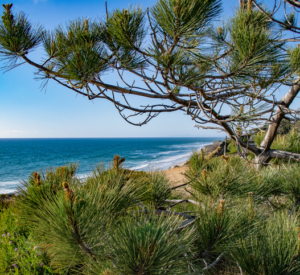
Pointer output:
27, 111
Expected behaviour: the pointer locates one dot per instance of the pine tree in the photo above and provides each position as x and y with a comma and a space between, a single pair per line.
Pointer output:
225, 77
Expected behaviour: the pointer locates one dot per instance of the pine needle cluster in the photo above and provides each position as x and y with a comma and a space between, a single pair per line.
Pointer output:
230, 217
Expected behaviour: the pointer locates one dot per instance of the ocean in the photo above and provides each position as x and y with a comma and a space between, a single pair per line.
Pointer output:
20, 157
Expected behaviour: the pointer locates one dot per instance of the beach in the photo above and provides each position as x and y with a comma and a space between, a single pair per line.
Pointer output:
175, 174
19, 158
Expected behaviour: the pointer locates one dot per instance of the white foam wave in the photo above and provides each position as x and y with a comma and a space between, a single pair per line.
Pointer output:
192, 146
167, 162
7, 191
168, 152
139, 167
9, 183
7, 187
162, 161
83, 176
172, 159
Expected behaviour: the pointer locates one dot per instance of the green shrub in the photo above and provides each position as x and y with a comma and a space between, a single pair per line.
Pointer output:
157, 189
196, 161
101, 171
250, 156
20, 252
268, 184
272, 249
42, 186
291, 183
118, 221
232, 148
293, 141
258, 138
289, 142
220, 222
151, 244
72, 223
280, 188
221, 177
6, 200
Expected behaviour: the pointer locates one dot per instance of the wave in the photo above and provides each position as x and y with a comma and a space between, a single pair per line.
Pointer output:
83, 176
193, 145
167, 162
168, 152
163, 163
140, 167
162, 157
7, 187
6, 183
7, 191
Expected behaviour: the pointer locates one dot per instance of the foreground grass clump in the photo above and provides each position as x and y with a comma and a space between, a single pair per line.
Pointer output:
20, 253
228, 218
260, 252
146, 243
41, 187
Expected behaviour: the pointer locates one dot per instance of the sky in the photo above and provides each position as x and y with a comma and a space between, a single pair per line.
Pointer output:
27, 111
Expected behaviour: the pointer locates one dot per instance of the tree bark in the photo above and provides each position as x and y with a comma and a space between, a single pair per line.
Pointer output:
278, 116
266, 154
262, 160
284, 155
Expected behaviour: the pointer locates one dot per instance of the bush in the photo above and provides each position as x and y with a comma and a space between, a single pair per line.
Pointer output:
232, 148
221, 177
272, 249
291, 183
41, 187
118, 221
149, 244
20, 253
220, 222
289, 142
196, 161
77, 218
258, 138
293, 141
5, 201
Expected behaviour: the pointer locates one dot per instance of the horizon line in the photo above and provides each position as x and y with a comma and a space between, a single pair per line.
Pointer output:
102, 137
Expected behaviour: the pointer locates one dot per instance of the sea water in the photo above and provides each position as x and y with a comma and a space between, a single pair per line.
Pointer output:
20, 157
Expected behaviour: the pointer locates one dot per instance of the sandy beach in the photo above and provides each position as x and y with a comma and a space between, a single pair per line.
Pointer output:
176, 174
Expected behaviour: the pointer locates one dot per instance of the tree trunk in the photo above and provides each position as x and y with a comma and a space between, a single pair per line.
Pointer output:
278, 116
267, 154
262, 160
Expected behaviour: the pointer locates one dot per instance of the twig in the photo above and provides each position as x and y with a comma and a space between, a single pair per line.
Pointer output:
214, 263
180, 201
178, 186
239, 268
186, 224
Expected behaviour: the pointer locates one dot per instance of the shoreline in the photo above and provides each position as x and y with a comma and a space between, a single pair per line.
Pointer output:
173, 173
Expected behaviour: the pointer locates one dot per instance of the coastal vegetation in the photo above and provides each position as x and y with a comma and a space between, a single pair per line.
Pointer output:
227, 218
